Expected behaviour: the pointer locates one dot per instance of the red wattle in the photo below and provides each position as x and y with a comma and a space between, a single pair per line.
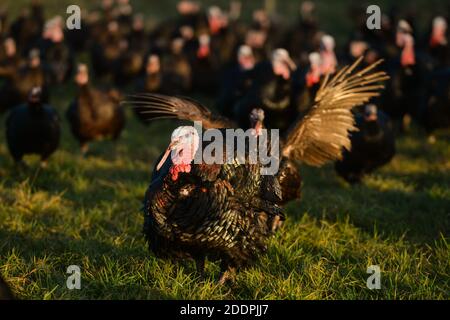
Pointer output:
408, 58
214, 26
437, 40
177, 168
312, 78
203, 52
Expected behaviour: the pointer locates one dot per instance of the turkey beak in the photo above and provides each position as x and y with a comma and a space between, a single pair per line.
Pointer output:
173, 145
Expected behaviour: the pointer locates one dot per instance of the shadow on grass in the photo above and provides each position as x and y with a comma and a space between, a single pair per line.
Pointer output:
31, 249
417, 211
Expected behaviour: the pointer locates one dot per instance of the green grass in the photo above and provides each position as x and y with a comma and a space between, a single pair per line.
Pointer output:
85, 211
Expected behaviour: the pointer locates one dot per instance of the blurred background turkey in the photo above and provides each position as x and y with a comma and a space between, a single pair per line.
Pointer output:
33, 128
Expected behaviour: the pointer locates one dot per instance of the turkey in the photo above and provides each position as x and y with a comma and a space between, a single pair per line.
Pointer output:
220, 212
224, 37
153, 79
176, 65
157, 80
10, 59
306, 82
107, 50
195, 210
205, 65
372, 146
236, 81
408, 72
314, 139
26, 29
438, 43
5, 291
271, 91
435, 109
20, 81
33, 128
300, 38
56, 52
132, 61
94, 114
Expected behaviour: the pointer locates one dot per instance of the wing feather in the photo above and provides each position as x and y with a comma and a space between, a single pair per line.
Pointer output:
157, 106
323, 133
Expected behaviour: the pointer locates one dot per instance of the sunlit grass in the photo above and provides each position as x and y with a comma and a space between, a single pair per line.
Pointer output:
85, 211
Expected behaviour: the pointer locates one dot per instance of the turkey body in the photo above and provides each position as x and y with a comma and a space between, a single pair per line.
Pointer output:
303, 94
372, 147
217, 211
271, 93
227, 211
32, 130
436, 111
16, 88
94, 115
59, 60
236, 82
290, 181
406, 88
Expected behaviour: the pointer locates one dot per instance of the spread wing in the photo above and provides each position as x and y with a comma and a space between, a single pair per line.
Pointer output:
323, 133
158, 106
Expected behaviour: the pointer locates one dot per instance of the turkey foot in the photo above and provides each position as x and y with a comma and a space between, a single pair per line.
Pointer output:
276, 223
200, 265
84, 149
228, 275
44, 164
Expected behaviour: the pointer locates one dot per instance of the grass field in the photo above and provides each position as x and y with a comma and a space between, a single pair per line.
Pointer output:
85, 211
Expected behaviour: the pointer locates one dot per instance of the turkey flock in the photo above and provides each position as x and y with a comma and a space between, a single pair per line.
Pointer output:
333, 103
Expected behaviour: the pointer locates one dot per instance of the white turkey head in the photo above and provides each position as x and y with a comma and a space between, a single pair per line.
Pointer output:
82, 75
370, 112
282, 63
438, 32
246, 58
257, 120
183, 146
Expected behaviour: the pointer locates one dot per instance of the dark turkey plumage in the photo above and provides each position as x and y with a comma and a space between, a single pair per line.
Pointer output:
435, 110
270, 92
215, 211
372, 146
59, 60
20, 81
227, 211
94, 114
236, 81
33, 128
315, 138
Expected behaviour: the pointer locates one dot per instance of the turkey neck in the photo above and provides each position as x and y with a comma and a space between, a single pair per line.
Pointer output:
85, 93
86, 99
153, 81
35, 108
372, 130
28, 77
